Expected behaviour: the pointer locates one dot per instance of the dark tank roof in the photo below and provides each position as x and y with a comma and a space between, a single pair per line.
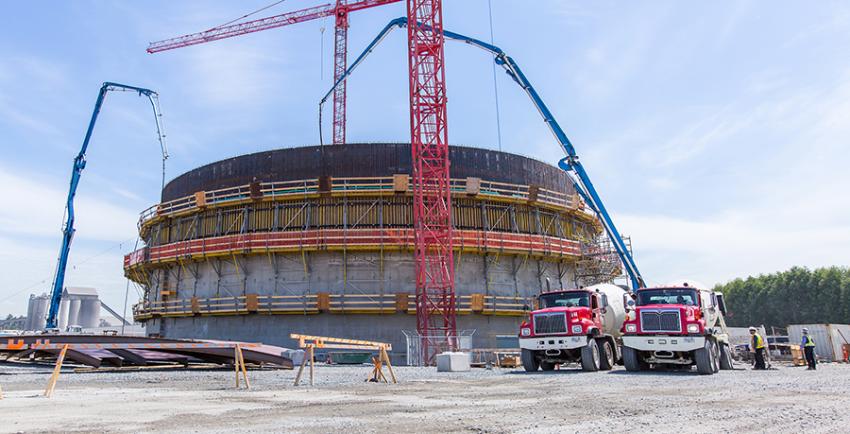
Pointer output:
360, 160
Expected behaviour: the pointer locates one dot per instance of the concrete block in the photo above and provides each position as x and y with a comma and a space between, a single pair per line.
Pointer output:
453, 362
297, 356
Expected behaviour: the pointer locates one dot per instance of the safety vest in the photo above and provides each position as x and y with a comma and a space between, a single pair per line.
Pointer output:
809, 341
759, 342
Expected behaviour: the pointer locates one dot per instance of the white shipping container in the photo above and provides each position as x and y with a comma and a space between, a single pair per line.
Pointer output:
741, 335
829, 339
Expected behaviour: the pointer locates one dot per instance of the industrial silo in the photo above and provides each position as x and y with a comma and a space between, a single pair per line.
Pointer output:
89, 312
37, 312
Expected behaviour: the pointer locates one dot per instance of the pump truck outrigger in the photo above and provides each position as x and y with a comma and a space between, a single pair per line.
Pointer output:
576, 325
677, 325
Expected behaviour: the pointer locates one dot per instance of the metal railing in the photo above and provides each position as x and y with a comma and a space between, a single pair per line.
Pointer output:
308, 304
337, 239
349, 186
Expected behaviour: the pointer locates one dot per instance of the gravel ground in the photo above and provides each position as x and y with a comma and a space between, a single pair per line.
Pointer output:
784, 400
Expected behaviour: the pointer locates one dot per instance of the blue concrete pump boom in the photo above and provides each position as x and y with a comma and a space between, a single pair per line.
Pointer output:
571, 164
76, 171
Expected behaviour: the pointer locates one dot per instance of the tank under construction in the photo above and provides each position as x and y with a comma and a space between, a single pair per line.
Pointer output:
319, 240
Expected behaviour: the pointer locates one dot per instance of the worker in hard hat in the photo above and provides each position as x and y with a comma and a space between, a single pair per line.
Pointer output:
808, 345
757, 346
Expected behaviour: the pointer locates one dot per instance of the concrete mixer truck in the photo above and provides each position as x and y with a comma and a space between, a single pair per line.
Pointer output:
577, 325
676, 326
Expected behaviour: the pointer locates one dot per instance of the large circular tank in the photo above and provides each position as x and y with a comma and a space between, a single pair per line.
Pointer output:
318, 240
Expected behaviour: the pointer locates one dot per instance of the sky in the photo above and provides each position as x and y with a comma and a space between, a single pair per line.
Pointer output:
718, 133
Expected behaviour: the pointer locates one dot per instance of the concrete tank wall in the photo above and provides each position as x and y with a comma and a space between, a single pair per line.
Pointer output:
359, 160
357, 273
284, 275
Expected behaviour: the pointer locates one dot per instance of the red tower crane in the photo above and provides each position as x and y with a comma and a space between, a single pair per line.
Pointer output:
432, 217
339, 10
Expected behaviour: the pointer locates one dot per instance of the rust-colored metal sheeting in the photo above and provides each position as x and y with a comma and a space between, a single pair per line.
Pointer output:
103, 350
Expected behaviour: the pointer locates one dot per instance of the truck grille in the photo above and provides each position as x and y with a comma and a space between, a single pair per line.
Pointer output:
660, 321
550, 323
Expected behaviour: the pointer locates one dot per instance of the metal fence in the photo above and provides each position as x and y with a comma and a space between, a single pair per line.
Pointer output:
461, 342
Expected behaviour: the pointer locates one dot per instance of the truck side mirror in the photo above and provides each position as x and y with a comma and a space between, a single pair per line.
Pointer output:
525, 307
630, 304
721, 303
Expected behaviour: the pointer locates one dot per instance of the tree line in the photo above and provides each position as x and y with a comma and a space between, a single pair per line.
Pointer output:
796, 296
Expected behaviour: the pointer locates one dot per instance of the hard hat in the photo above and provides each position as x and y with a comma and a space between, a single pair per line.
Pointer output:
752, 329
805, 330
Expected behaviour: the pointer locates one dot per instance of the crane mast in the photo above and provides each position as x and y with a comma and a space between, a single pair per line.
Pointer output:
340, 64
432, 218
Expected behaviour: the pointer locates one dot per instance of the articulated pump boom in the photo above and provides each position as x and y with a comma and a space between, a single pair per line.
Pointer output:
571, 164
76, 171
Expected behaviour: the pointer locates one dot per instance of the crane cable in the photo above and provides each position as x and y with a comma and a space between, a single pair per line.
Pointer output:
495, 83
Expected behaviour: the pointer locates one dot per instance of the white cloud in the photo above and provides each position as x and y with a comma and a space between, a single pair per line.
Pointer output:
27, 267
717, 248
789, 206
30, 233
13, 114
613, 59
247, 75
36, 209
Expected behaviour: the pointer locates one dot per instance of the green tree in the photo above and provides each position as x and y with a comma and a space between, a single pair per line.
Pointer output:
795, 296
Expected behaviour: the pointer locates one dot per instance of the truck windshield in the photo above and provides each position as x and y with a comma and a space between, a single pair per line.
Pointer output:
683, 296
565, 299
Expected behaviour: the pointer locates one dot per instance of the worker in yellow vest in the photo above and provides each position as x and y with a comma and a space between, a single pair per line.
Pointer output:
808, 345
757, 345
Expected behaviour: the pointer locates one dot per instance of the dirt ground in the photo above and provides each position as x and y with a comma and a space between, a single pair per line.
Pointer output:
784, 400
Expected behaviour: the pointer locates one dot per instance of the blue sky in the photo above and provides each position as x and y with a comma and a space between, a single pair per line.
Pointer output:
717, 132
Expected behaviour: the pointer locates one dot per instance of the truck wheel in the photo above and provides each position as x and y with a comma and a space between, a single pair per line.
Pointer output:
606, 354
704, 358
590, 356
529, 362
725, 357
631, 360
547, 366
715, 354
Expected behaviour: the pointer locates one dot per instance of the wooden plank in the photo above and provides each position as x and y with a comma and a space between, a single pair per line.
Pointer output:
236, 364
56, 370
301, 369
312, 364
242, 364
389, 365
320, 340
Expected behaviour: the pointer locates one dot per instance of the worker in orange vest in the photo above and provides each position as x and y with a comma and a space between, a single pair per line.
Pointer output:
808, 345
